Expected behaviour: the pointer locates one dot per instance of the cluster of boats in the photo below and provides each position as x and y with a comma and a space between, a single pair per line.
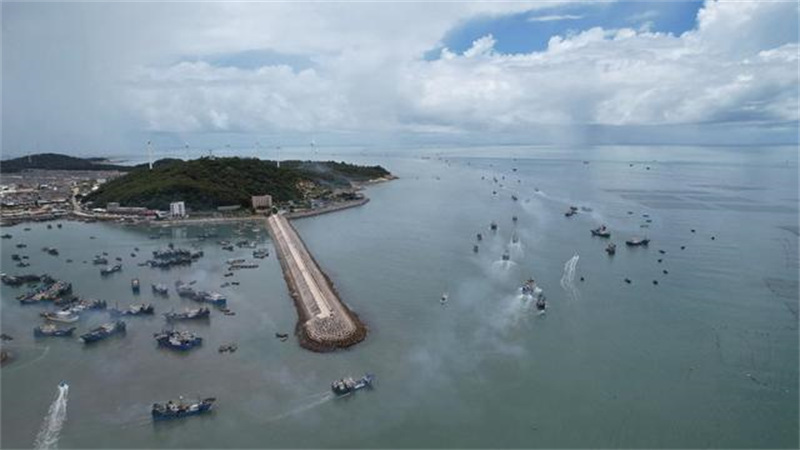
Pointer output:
50, 291
171, 256
531, 290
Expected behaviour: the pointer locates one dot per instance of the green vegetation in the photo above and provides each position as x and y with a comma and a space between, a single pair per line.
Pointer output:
55, 161
206, 183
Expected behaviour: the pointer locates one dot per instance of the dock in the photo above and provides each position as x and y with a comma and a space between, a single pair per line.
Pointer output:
325, 323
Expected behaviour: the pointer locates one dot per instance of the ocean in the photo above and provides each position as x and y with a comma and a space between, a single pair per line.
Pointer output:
707, 357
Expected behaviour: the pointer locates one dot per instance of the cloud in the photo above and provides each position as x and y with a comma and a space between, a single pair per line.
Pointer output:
83, 73
554, 18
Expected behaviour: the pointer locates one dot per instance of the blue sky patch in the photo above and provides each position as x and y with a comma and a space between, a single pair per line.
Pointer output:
530, 31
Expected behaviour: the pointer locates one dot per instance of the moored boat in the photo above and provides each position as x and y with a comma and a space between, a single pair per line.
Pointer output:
161, 289
61, 316
103, 332
179, 408
178, 340
349, 385
134, 310
50, 330
189, 314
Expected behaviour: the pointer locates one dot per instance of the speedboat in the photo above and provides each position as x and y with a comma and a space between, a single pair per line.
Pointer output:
529, 287
601, 231
571, 211
636, 242
103, 332
444, 298
179, 408
611, 249
99, 260
541, 304
135, 285
348, 385
50, 330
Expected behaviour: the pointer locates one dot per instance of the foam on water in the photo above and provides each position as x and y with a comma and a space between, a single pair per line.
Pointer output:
568, 278
54, 421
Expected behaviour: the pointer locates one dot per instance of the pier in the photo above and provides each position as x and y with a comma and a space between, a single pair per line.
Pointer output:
324, 321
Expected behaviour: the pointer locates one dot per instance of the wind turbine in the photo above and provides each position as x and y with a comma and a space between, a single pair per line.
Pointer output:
150, 154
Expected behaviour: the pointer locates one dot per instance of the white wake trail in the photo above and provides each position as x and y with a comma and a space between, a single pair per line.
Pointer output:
568, 278
54, 421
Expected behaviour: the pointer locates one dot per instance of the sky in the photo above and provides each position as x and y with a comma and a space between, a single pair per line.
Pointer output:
103, 78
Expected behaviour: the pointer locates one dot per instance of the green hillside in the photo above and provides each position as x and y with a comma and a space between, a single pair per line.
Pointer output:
206, 183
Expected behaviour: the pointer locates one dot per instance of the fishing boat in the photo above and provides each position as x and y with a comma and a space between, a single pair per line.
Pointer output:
493, 226
178, 409
611, 249
6, 236
109, 270
161, 289
188, 314
215, 298
184, 290
75, 306
601, 231
541, 303
349, 385
103, 332
480, 237
636, 242
506, 256
61, 316
529, 287
571, 211
134, 310
260, 253
475, 248
50, 330
135, 285
228, 348
178, 340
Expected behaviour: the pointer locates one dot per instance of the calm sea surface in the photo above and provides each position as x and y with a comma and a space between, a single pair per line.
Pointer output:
708, 357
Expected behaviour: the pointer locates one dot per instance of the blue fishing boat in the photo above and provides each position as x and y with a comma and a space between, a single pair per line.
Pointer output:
103, 331
178, 409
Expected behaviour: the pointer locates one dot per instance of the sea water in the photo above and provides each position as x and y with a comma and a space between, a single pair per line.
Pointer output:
708, 357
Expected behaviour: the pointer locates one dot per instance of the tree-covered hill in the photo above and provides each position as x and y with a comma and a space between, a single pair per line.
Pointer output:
56, 161
206, 183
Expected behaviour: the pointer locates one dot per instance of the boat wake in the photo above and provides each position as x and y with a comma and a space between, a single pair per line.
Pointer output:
54, 421
503, 266
31, 362
312, 402
568, 278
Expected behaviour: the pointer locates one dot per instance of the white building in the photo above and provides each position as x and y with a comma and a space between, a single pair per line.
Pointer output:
177, 209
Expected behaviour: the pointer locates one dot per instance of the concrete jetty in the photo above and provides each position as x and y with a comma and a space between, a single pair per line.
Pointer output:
324, 323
